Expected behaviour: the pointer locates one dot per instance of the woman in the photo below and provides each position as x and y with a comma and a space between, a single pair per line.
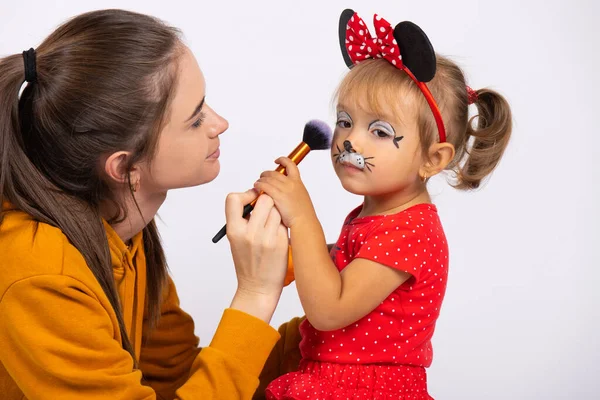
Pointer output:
113, 116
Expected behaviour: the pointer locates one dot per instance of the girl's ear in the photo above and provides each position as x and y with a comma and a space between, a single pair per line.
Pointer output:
438, 158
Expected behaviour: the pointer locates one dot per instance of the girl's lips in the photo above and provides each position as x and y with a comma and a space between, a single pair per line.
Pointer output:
350, 167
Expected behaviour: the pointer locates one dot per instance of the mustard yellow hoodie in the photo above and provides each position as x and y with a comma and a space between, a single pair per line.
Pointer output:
59, 337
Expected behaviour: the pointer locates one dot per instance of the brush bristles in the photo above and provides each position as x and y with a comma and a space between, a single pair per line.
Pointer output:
317, 135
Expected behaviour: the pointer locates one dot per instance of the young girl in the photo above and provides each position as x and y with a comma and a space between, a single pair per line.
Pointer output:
373, 300
112, 117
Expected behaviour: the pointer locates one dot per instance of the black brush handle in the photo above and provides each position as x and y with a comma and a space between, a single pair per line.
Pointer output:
221, 234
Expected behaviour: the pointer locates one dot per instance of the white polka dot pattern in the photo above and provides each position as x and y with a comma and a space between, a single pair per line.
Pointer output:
330, 381
361, 45
398, 332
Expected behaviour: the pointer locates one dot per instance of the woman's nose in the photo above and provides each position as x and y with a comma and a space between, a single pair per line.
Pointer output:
218, 126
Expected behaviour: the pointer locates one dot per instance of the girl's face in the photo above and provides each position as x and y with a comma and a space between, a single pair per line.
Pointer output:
188, 147
377, 155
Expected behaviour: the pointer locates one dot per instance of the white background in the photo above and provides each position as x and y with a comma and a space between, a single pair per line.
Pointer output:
521, 316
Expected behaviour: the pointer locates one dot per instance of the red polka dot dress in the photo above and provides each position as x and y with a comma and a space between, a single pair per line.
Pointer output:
384, 354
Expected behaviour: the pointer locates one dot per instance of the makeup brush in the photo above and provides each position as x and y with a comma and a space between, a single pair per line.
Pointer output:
317, 136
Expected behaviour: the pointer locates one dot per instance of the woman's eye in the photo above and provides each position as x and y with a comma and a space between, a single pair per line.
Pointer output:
199, 121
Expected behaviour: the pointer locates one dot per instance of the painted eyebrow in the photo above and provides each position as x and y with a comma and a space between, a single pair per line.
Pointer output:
385, 124
345, 113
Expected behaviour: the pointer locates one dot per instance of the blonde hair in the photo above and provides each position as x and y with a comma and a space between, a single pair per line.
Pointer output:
478, 148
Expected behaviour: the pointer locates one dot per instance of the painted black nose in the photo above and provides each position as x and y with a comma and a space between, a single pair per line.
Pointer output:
347, 146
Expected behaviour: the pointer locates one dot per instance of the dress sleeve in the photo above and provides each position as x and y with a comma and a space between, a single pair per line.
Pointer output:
397, 245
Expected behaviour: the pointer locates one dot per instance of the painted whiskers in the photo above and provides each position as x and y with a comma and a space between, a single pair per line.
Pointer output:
351, 157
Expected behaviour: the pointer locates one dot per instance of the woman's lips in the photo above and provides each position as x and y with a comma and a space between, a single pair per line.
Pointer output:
215, 154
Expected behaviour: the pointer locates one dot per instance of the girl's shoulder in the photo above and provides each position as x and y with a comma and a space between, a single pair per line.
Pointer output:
412, 218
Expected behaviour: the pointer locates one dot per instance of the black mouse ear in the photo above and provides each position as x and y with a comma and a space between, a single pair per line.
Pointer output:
416, 49
345, 17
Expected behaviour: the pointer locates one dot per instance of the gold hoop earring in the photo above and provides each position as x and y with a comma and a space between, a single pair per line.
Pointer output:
133, 186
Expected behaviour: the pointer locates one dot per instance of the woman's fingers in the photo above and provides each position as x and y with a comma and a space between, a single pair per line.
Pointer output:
258, 219
234, 208
272, 225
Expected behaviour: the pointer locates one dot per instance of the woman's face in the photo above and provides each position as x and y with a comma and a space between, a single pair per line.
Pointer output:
188, 147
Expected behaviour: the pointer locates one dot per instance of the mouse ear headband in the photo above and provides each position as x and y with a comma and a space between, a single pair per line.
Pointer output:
406, 47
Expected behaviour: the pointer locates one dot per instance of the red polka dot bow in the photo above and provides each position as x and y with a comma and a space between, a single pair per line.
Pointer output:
358, 45
362, 46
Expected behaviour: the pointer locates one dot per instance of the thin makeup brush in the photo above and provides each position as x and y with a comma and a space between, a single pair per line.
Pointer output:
317, 136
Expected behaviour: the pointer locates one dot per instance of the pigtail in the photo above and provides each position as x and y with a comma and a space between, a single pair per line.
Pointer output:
489, 139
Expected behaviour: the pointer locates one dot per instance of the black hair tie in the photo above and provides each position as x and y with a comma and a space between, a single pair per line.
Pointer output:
30, 67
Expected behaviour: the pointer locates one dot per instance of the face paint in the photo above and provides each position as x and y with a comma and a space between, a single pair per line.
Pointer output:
350, 157
385, 130
396, 140
348, 147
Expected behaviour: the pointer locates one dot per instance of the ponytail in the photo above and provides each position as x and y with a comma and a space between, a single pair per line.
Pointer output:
490, 138
22, 185
85, 99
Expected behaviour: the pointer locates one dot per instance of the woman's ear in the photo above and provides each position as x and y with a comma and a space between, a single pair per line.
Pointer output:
115, 168
439, 156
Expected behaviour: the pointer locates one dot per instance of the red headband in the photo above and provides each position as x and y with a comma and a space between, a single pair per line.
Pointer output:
360, 45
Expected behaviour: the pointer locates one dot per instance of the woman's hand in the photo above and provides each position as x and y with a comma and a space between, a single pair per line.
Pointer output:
289, 193
259, 246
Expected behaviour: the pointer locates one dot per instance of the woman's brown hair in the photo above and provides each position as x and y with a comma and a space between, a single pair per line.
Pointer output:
104, 83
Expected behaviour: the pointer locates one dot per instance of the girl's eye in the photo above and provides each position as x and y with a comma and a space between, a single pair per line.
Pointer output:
381, 133
342, 123
199, 121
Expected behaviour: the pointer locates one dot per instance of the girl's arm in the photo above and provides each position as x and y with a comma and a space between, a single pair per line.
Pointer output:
330, 300
333, 300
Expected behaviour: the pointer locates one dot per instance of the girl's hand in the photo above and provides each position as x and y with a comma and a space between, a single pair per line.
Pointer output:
259, 246
288, 192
